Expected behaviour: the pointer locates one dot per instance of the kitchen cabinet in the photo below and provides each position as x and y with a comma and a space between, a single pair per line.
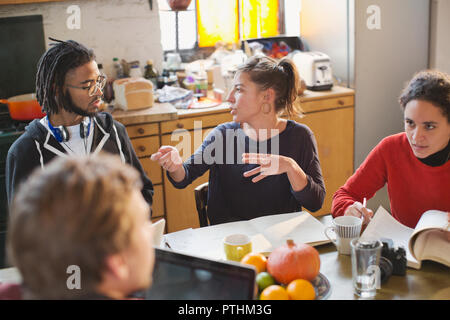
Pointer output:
329, 114
181, 211
331, 118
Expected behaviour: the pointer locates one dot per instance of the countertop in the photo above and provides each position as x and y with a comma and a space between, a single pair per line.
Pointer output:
166, 111
158, 112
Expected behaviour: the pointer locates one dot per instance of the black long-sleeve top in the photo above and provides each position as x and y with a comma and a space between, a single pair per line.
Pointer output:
233, 197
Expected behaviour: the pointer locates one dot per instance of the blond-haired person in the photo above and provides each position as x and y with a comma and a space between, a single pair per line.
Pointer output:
86, 214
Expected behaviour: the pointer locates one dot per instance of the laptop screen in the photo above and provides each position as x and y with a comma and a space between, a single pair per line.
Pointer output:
177, 276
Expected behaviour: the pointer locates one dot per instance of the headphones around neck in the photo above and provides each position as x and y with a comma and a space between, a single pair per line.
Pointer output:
62, 134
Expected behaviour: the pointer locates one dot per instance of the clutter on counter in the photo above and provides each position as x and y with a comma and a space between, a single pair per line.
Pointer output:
173, 61
186, 85
185, 99
179, 97
275, 47
118, 69
151, 73
135, 71
167, 78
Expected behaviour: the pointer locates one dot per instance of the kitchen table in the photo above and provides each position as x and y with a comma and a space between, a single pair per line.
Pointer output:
432, 281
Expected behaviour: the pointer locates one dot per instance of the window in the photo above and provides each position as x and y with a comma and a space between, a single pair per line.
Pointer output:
217, 21
259, 18
207, 21
187, 28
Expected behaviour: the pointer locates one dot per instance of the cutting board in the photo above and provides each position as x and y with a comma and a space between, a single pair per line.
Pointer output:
159, 112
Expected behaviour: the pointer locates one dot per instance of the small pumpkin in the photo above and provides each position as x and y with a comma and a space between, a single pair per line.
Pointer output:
293, 261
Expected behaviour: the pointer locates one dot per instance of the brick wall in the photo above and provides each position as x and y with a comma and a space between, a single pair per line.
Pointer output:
125, 29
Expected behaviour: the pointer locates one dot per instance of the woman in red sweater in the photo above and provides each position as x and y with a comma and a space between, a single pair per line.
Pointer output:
415, 163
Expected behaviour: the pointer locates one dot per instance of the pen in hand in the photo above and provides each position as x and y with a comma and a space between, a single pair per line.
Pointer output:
364, 204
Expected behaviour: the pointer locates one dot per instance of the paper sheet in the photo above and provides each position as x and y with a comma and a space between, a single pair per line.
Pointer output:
383, 225
266, 233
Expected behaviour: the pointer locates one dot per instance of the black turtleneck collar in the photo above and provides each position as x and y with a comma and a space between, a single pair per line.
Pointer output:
438, 158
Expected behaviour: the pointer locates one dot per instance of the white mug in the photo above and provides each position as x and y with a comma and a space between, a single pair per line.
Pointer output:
346, 229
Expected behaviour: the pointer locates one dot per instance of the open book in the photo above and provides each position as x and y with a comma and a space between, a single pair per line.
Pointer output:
427, 241
266, 233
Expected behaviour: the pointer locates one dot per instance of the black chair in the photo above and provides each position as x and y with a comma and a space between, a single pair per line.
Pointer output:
201, 199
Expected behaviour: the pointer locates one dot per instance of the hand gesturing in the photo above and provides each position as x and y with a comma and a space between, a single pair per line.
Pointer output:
270, 164
168, 158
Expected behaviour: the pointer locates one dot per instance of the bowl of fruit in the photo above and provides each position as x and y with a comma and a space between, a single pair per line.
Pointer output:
290, 272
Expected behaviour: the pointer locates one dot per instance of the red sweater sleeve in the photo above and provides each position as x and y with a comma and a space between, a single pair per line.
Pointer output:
365, 182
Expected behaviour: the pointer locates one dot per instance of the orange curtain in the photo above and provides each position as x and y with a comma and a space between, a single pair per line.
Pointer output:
259, 18
217, 21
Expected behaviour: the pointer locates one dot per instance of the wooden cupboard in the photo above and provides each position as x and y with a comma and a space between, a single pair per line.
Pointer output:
333, 130
180, 204
329, 114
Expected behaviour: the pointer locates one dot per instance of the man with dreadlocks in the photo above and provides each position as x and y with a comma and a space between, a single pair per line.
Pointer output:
69, 89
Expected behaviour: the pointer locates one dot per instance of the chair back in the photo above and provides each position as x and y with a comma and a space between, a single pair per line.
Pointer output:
201, 199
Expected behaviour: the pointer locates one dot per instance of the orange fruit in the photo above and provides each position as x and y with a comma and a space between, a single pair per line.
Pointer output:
258, 260
274, 292
301, 289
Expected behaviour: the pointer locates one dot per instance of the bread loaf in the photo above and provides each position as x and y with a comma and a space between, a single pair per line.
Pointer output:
133, 93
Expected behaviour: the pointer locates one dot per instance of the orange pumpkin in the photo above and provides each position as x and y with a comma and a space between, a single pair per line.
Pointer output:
293, 261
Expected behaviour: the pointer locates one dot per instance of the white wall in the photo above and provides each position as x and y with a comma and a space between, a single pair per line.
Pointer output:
439, 35
323, 25
381, 60
385, 60
125, 29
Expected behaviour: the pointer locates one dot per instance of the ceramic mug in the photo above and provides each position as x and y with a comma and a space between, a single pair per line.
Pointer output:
346, 229
236, 246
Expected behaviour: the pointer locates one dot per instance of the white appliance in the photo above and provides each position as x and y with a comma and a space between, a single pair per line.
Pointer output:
315, 69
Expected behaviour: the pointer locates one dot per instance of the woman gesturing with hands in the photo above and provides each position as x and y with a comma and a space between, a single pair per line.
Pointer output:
271, 164
259, 164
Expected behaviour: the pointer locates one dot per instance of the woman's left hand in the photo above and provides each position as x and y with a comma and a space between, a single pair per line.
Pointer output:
270, 164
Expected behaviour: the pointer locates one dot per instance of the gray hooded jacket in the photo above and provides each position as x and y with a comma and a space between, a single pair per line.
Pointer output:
37, 146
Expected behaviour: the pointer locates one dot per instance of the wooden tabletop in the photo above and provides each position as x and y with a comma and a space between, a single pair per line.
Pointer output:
432, 281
